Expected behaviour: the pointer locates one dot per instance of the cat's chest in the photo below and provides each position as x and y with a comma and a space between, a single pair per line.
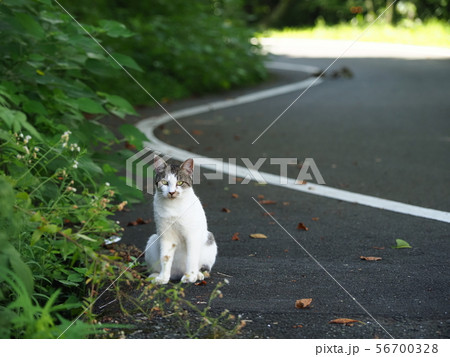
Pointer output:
180, 216
178, 209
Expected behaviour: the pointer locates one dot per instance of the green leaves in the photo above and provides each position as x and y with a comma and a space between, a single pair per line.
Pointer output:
16, 121
118, 105
17, 265
30, 25
400, 243
125, 61
90, 106
114, 29
133, 136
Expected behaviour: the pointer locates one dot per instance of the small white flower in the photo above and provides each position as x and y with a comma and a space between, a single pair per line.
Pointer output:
65, 136
19, 156
226, 281
118, 222
21, 135
107, 184
27, 139
36, 149
75, 164
26, 149
74, 147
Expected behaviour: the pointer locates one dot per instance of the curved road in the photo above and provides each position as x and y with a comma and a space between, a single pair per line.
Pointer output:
382, 131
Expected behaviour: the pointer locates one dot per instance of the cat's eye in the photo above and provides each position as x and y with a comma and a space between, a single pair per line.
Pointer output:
180, 183
163, 182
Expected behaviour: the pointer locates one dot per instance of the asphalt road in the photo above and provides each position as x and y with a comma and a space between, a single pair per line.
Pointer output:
384, 132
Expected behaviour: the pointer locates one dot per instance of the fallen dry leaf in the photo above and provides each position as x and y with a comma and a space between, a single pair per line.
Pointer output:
301, 226
286, 203
235, 236
297, 326
130, 146
260, 197
379, 248
370, 258
267, 202
315, 218
268, 213
139, 221
234, 195
303, 303
258, 235
197, 132
344, 321
302, 182
226, 210
203, 282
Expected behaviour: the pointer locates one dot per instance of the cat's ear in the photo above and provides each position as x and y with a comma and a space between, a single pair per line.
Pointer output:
159, 164
188, 166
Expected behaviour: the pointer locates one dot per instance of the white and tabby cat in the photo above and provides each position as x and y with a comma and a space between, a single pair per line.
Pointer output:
182, 246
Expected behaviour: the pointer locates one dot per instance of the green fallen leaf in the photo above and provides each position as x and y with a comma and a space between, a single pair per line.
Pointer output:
401, 244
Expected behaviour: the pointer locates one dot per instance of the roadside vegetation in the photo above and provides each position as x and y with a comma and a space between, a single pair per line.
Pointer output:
59, 165
431, 33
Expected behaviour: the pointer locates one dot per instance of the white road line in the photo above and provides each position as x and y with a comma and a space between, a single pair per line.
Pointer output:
227, 103
148, 125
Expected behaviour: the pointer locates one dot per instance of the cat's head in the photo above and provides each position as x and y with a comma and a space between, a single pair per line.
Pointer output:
172, 181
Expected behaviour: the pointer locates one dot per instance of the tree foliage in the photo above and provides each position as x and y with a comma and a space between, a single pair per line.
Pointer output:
290, 13
183, 47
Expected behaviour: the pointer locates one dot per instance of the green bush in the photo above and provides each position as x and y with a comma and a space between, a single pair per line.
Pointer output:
57, 169
184, 47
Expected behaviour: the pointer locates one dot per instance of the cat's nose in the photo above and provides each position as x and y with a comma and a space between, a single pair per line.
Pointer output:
172, 193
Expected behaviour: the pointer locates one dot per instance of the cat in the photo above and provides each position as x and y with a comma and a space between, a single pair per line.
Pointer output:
182, 245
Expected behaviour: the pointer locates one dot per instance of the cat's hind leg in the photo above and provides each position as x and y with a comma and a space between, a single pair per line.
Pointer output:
152, 255
208, 255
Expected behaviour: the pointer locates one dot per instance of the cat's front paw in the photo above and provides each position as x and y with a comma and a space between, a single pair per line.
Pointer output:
159, 279
189, 278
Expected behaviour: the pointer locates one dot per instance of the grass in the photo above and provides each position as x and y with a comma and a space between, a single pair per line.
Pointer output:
431, 33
